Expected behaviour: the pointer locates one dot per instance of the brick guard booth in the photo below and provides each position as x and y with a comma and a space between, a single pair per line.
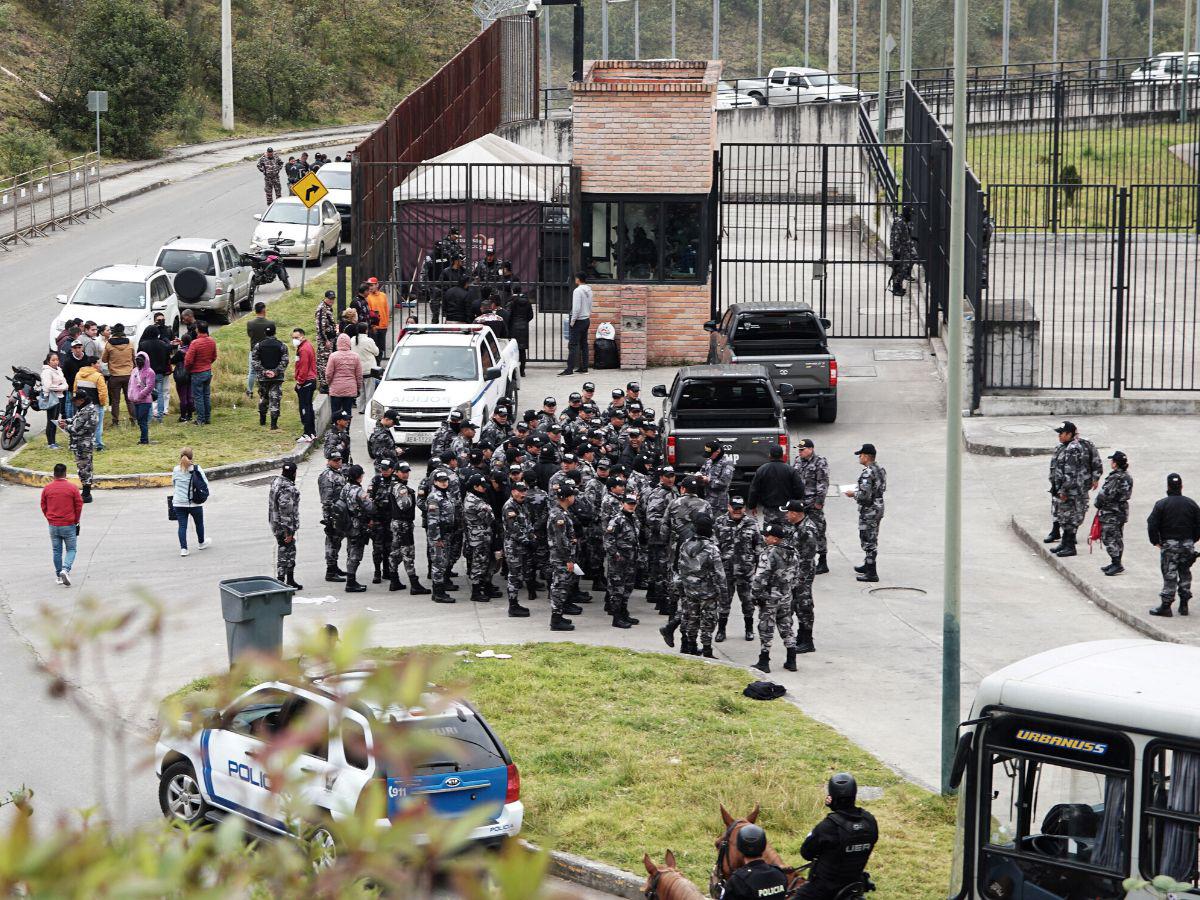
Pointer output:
644, 137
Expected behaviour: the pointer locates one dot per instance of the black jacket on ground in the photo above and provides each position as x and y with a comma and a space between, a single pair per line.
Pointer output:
774, 484
1174, 518
757, 880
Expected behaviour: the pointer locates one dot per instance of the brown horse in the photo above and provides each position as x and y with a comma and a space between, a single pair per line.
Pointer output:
730, 859
666, 882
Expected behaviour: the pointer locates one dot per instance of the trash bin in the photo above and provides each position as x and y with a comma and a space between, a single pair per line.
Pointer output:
254, 608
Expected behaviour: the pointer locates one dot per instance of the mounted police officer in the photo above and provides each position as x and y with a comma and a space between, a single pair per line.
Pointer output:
840, 846
283, 515
757, 879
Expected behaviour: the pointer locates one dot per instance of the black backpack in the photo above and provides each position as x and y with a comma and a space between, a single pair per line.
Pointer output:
338, 515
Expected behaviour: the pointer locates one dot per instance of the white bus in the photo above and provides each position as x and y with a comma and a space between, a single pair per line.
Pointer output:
1078, 768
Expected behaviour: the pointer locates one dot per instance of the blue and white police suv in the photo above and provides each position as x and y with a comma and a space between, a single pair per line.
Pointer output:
215, 772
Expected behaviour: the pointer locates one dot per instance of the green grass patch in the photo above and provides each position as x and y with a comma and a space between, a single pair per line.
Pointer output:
234, 435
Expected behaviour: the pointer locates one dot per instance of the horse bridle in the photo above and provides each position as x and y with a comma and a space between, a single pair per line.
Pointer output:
651, 890
716, 880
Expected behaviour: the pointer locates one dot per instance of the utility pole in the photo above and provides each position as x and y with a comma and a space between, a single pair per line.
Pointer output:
716, 29
674, 55
1183, 92
952, 543
226, 66
854, 37
807, 9
1005, 33
546, 41
1054, 52
831, 45
759, 70
637, 29
1104, 36
604, 28
906, 38
1150, 50
883, 71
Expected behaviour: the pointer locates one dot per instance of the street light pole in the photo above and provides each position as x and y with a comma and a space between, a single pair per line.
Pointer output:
831, 44
637, 29
854, 37
1054, 51
906, 38
1150, 50
226, 66
883, 72
604, 28
1005, 33
759, 70
807, 9
1183, 92
546, 39
716, 29
952, 542
1104, 36
674, 55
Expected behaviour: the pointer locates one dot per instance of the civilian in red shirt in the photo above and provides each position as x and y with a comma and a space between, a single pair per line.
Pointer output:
201, 354
306, 384
62, 505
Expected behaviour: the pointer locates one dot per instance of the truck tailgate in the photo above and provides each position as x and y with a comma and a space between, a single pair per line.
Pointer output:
746, 449
804, 373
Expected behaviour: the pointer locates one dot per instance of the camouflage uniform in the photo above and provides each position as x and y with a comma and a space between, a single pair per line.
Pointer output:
441, 442
283, 515
271, 166
518, 546
802, 537
680, 515
382, 445
440, 521
655, 503
1071, 478
361, 509
381, 526
339, 441
560, 531
702, 585
773, 595
82, 430
461, 447
740, 542
540, 508
1175, 559
329, 485
480, 520
1112, 504
326, 338
814, 473
620, 560
494, 434
872, 483
404, 512
719, 472
270, 392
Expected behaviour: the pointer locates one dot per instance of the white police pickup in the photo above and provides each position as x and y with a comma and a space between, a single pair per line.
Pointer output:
216, 772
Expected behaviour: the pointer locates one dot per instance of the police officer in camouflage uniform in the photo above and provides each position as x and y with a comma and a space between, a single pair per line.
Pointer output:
814, 475
441, 519
1174, 527
564, 549
517, 524
868, 494
740, 542
802, 536
359, 510
621, 539
337, 438
461, 444
680, 517
381, 444
655, 503
403, 551
271, 165
702, 585
268, 365
329, 486
1112, 506
497, 430
81, 428
773, 594
381, 521
283, 515
480, 543
326, 339
446, 433
717, 474
1071, 478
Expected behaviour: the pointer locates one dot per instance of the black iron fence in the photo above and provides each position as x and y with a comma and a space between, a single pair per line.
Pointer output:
446, 218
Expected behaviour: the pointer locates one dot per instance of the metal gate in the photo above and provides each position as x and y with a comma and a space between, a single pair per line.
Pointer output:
810, 223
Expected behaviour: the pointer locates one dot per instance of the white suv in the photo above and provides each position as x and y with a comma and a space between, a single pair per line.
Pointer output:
130, 295
207, 274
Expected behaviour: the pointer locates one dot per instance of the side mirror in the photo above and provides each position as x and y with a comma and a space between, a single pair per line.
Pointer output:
158, 306
258, 217
493, 373
710, 325
784, 389
61, 298
826, 324
962, 756
659, 390
210, 717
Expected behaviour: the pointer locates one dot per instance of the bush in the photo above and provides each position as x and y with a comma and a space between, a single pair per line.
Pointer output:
189, 118
273, 78
22, 149
120, 46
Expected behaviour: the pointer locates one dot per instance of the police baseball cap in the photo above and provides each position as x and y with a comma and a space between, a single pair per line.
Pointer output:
617, 414
554, 428
441, 475
865, 448
569, 458
703, 524
617, 392
691, 482
330, 294
1174, 481
403, 467
589, 386
711, 447
576, 397
603, 463
515, 469
522, 427
737, 502
775, 530
270, 149
633, 386
616, 481
596, 433
630, 498
564, 489
387, 464
518, 485
648, 414
1119, 456
455, 416
650, 427
619, 469
447, 455
549, 401
534, 440
468, 424
475, 481
805, 443
501, 411
792, 506
341, 415
667, 471
289, 468
776, 451
390, 414
1068, 427
336, 454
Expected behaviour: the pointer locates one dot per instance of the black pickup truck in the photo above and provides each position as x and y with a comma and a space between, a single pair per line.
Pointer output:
790, 340
737, 405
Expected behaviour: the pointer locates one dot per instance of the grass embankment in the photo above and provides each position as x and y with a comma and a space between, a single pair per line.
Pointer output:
623, 753
234, 435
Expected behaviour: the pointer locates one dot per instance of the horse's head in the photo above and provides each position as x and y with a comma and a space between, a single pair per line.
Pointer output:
666, 882
729, 858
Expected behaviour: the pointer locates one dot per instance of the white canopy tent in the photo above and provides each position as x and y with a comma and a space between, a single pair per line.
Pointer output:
487, 168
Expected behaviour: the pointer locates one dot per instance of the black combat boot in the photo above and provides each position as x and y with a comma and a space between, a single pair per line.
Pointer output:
274, 421
87, 493
262, 416
1054, 535
1184, 597
623, 612
790, 663
516, 610
668, 631
822, 564
1114, 567
618, 620
491, 591
581, 597
869, 574
439, 593
1067, 547
376, 578
558, 623
352, 585
418, 589
749, 627
333, 575
804, 641
479, 594
608, 604
707, 653
862, 568
1061, 545
290, 581
720, 637
531, 586
1163, 609
396, 584
685, 645
764, 661
570, 609
340, 571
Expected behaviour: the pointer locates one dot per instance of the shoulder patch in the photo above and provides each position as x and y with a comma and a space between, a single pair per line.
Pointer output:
512, 513
560, 522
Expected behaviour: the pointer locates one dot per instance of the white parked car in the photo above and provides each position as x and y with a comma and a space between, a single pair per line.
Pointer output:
336, 178
207, 275
130, 295
1167, 67
729, 98
216, 772
281, 228
436, 369
789, 85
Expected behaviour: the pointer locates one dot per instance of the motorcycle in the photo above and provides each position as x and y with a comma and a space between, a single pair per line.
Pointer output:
25, 387
267, 267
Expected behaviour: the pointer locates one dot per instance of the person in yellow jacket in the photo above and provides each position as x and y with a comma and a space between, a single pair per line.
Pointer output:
91, 379
377, 301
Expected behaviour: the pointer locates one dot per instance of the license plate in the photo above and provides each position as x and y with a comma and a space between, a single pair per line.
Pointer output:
419, 437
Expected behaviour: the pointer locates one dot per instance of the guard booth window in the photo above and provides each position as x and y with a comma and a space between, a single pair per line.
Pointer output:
1171, 812
647, 239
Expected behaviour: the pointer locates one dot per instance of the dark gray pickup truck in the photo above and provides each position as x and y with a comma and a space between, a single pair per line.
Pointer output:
738, 405
789, 339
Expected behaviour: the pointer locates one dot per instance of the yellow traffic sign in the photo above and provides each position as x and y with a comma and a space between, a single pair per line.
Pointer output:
310, 190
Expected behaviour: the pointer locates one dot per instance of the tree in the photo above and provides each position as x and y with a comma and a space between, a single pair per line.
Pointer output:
122, 47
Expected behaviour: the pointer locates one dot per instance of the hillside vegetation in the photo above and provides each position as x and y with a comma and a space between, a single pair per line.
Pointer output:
303, 62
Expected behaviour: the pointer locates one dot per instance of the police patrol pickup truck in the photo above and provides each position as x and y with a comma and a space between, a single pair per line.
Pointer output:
216, 772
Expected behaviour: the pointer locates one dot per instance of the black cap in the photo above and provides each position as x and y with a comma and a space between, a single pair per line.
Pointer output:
703, 524
336, 454
518, 485
289, 468
468, 424
737, 502
441, 475
569, 458
564, 489
792, 506
776, 451
330, 294
455, 416
629, 498
668, 471
476, 481
392, 414
387, 463
1067, 426
575, 397
865, 448
521, 427
775, 530
515, 469
554, 428
691, 483
354, 472
447, 455
341, 414
403, 467
633, 386
617, 414
711, 447
549, 401
589, 386
617, 392
805, 443
534, 440
604, 463
1119, 456
616, 481
634, 406
1174, 481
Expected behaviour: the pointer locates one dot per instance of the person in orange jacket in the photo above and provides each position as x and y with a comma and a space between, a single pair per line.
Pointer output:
377, 301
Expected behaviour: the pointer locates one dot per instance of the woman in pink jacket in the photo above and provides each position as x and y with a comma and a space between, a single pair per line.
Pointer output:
139, 391
344, 374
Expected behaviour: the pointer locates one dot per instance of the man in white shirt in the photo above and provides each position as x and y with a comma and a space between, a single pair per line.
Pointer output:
580, 322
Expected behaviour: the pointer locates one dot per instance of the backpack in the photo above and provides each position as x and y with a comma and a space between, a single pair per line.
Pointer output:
337, 516
198, 490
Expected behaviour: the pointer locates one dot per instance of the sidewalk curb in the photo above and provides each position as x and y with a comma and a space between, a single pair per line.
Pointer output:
1114, 609
34, 478
982, 449
591, 874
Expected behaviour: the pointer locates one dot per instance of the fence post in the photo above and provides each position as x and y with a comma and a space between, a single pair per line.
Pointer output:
714, 238
1060, 93
825, 222
1118, 324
